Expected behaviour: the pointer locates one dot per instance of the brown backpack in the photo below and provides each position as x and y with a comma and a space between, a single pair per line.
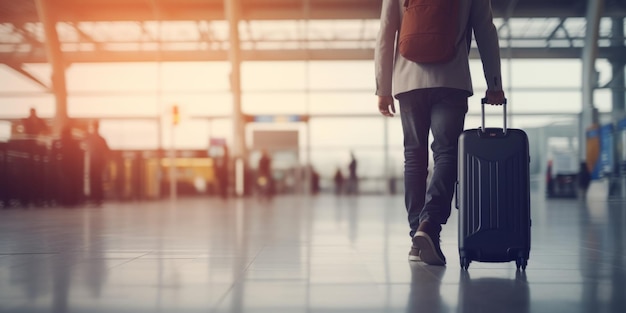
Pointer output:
429, 30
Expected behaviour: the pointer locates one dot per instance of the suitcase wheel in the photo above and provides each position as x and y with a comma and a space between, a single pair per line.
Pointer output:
521, 262
465, 262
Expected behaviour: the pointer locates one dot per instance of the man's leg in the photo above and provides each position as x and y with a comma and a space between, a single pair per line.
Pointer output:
449, 107
415, 116
447, 123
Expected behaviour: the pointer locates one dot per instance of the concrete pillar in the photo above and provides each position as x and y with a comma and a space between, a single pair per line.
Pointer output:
239, 153
589, 74
617, 63
45, 11
618, 107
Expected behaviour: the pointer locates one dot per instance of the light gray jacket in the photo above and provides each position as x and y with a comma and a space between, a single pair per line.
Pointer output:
407, 75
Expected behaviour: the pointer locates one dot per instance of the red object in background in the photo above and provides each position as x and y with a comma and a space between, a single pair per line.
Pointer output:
175, 115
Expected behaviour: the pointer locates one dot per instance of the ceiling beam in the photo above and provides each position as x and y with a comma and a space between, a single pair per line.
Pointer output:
274, 55
18, 68
23, 11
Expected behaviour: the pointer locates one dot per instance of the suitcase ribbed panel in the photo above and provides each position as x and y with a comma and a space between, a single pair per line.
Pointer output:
493, 196
496, 194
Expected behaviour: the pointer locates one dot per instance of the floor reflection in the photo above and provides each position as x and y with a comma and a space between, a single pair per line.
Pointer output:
425, 290
494, 294
298, 254
602, 254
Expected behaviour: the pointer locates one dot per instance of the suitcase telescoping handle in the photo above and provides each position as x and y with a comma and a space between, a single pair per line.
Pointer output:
483, 101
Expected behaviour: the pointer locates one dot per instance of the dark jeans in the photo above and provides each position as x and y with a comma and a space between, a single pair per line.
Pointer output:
442, 111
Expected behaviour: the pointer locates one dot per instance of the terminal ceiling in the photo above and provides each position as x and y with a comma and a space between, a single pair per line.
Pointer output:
197, 30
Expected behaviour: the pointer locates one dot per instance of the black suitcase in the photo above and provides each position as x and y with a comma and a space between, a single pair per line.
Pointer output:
493, 195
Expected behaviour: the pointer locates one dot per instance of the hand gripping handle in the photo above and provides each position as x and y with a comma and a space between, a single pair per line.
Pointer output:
483, 101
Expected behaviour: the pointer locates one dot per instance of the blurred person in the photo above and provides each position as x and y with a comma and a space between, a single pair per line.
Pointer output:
353, 180
69, 178
99, 152
315, 181
549, 180
433, 97
32, 174
34, 125
584, 180
221, 167
264, 174
338, 181
392, 184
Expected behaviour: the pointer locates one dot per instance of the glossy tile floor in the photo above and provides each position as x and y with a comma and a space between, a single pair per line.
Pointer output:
298, 254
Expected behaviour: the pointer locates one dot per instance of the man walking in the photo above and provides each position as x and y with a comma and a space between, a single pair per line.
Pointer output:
433, 97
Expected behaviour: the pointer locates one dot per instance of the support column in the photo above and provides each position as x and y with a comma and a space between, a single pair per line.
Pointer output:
55, 58
239, 153
306, 13
617, 63
618, 111
589, 74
